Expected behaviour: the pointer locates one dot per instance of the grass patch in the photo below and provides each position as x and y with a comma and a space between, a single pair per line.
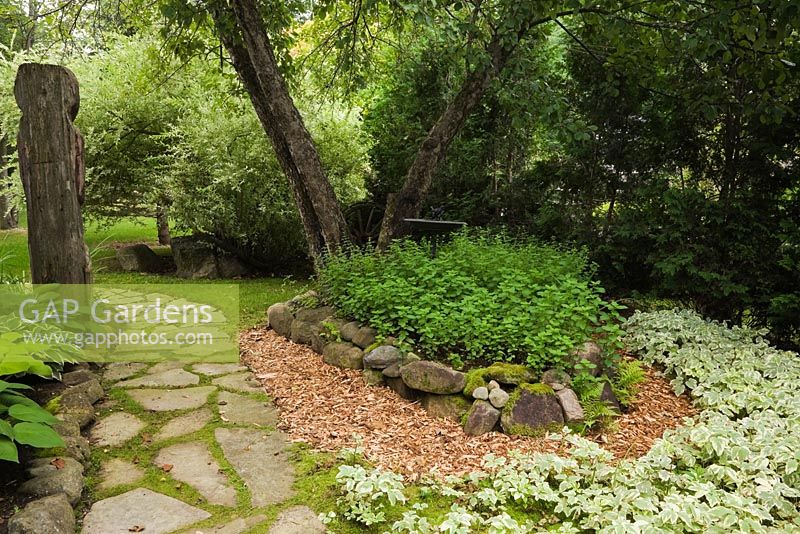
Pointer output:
255, 294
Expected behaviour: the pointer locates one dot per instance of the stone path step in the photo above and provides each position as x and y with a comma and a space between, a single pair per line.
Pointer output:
187, 402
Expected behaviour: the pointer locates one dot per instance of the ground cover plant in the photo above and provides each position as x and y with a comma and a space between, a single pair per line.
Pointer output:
733, 468
484, 298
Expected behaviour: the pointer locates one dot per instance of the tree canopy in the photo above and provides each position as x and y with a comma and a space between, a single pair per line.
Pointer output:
661, 134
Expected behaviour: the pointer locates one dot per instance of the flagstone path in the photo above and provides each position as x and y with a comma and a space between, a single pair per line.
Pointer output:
191, 449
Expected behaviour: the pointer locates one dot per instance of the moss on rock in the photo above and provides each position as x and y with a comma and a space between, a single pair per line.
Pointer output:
509, 373
475, 379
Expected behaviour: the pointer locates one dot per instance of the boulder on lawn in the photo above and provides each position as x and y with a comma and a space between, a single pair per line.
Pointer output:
194, 258
382, 357
229, 266
570, 405
280, 318
451, 407
433, 377
532, 410
591, 353
139, 259
482, 418
343, 355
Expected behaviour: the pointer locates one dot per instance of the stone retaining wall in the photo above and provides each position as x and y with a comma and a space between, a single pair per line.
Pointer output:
57, 481
503, 397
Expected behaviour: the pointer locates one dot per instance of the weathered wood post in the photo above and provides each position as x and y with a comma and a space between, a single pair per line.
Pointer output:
51, 166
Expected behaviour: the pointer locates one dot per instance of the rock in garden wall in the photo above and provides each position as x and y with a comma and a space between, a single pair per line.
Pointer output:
343, 355
451, 407
532, 409
503, 393
280, 318
383, 357
349, 330
49, 515
481, 418
589, 352
365, 337
433, 377
398, 386
570, 405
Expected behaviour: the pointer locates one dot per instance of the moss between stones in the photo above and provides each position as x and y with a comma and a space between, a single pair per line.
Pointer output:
509, 373
53, 405
531, 432
537, 389
475, 379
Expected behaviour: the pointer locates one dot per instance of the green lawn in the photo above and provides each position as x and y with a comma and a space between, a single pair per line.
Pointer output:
255, 294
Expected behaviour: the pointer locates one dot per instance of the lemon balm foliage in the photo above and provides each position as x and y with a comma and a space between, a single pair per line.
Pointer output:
483, 298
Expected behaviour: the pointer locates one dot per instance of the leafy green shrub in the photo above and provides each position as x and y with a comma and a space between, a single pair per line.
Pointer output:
486, 298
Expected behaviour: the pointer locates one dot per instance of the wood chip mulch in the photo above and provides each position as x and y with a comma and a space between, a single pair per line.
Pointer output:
326, 406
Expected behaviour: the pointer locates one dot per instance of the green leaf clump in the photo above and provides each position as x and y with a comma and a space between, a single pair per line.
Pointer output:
484, 297
23, 422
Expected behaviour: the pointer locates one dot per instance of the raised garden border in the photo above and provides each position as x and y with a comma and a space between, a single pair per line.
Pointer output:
57, 481
503, 397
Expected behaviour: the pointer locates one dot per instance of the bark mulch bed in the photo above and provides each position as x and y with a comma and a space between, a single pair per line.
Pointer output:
326, 406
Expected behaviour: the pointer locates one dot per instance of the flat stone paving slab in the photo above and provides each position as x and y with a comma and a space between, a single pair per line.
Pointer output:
173, 378
118, 472
161, 400
241, 410
140, 510
160, 367
216, 369
261, 460
242, 382
192, 464
297, 520
184, 424
237, 526
122, 370
115, 429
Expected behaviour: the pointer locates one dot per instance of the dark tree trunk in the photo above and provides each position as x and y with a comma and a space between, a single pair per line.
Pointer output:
52, 171
162, 221
9, 216
254, 60
408, 201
